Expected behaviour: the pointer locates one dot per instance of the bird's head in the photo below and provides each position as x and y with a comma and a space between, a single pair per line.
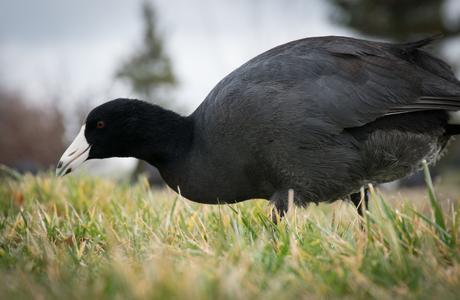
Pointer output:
119, 128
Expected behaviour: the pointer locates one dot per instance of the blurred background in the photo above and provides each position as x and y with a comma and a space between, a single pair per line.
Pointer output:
60, 58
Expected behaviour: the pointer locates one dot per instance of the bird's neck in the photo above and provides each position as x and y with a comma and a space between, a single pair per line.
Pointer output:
166, 140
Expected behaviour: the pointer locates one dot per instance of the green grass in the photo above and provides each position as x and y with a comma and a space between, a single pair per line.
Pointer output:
87, 238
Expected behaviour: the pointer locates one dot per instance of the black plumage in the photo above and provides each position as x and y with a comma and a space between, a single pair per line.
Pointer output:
322, 116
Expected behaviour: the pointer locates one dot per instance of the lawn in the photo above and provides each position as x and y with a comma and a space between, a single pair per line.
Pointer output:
89, 238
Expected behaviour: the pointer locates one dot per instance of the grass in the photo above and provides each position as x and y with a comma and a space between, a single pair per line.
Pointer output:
88, 238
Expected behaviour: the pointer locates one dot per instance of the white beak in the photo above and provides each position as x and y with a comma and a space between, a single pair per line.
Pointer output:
75, 155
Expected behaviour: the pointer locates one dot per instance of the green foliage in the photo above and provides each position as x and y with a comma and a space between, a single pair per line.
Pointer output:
438, 214
149, 70
91, 238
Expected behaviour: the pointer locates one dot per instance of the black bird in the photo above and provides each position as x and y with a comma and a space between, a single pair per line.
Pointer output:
323, 116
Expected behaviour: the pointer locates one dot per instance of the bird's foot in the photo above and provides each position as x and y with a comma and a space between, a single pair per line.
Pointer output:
281, 201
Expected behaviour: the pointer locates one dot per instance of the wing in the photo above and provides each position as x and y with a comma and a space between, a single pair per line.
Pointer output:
353, 82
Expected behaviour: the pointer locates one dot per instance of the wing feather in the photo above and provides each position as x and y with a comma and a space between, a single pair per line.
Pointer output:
429, 103
393, 79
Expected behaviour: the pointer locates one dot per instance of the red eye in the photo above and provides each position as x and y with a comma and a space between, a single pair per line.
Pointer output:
100, 124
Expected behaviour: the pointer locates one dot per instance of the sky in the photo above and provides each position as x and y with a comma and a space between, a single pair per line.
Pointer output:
72, 49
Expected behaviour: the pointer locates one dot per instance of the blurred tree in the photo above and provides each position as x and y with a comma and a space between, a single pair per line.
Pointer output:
150, 73
149, 69
398, 20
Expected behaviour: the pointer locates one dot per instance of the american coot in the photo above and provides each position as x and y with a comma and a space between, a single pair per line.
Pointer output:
322, 116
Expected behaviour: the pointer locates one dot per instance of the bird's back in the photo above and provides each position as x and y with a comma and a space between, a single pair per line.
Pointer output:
282, 118
309, 78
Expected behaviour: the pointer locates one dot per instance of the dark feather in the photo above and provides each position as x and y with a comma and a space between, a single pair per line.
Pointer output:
429, 103
411, 46
343, 82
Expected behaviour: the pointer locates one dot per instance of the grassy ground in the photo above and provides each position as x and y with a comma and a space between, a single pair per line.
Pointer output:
87, 238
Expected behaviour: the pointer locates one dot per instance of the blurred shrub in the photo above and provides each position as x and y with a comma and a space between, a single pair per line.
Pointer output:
31, 136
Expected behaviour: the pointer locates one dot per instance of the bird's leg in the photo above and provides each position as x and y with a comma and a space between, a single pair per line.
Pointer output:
281, 205
361, 204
